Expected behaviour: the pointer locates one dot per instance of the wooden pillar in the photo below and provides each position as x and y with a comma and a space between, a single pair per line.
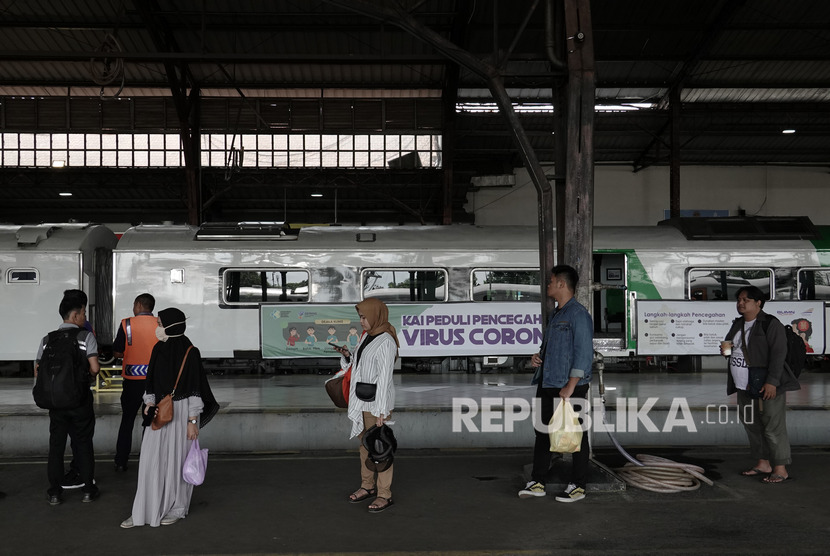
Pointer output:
579, 178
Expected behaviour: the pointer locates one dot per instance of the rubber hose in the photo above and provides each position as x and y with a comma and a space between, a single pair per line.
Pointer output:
662, 475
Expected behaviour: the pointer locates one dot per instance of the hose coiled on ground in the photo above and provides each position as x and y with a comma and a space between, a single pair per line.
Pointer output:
662, 475
651, 472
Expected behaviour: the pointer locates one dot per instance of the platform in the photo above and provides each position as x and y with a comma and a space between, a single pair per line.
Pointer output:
284, 413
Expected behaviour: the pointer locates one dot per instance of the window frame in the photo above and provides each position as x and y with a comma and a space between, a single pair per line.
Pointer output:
798, 281
443, 271
501, 269
8, 275
223, 281
711, 269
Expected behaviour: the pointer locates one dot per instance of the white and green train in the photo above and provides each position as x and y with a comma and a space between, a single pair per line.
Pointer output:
467, 296
225, 277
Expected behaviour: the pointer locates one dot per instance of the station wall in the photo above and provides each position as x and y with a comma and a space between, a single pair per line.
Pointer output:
625, 198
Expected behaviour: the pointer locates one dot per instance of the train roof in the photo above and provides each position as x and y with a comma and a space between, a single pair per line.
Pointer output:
455, 237
65, 236
461, 237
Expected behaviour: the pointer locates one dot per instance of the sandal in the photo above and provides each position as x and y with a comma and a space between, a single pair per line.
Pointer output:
355, 497
773, 479
376, 509
754, 471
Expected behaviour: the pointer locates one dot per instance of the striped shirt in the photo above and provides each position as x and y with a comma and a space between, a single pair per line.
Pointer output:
375, 366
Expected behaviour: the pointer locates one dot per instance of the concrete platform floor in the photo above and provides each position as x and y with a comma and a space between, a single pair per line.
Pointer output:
446, 503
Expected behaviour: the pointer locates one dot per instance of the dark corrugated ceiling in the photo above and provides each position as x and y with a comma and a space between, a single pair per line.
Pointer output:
745, 71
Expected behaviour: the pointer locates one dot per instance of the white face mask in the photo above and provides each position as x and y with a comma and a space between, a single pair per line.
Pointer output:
162, 335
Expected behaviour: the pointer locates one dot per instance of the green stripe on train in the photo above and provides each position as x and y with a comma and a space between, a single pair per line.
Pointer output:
822, 245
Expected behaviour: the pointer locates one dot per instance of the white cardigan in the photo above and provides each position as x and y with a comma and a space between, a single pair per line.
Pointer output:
374, 366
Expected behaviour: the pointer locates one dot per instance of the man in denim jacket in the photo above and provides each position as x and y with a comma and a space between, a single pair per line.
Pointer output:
563, 370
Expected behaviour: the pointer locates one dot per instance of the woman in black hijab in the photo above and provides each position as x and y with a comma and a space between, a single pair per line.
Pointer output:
162, 496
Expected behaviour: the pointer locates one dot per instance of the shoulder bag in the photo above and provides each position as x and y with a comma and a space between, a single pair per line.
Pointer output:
164, 409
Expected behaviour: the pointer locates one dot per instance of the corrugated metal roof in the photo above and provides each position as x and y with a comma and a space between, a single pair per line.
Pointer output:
745, 71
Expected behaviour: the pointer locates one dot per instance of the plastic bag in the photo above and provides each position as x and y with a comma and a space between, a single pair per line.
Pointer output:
195, 465
564, 430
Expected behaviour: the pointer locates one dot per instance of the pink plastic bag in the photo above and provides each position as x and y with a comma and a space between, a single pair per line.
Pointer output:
195, 465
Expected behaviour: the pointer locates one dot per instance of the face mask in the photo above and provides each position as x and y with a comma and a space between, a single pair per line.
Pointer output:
162, 335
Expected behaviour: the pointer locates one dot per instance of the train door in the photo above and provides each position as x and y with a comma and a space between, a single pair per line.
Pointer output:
610, 308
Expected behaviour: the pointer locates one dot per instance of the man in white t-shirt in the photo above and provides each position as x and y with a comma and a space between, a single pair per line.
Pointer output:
758, 374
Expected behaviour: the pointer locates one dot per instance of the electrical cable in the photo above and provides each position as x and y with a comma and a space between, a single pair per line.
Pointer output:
108, 66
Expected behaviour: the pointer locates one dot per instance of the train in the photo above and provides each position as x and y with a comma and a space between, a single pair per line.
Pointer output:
477, 289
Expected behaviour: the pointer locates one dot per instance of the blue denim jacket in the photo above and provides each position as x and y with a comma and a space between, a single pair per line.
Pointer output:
568, 348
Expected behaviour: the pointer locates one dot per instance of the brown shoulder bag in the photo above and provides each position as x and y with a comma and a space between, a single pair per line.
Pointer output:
164, 409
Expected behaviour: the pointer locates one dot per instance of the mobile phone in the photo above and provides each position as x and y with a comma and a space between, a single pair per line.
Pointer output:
148, 419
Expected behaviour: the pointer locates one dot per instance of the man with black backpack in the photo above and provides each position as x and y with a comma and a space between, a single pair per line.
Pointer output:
66, 360
761, 375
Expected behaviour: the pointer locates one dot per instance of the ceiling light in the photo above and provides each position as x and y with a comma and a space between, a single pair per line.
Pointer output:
316, 194
58, 163
788, 131
65, 194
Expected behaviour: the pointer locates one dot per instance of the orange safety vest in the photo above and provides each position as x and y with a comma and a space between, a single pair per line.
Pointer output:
140, 334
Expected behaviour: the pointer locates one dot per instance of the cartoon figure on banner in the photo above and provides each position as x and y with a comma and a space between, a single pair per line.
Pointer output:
804, 328
311, 339
353, 337
293, 336
332, 337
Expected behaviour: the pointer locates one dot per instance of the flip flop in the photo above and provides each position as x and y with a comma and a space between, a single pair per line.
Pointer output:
378, 509
775, 479
753, 472
369, 494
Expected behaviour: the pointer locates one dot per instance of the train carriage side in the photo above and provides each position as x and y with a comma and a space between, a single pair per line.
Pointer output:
39, 262
660, 263
220, 280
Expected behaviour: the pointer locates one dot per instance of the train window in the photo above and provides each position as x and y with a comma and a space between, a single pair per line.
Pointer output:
401, 285
253, 286
786, 283
814, 283
721, 284
22, 276
506, 285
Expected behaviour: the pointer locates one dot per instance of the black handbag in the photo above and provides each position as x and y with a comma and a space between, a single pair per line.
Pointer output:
755, 382
365, 391
757, 376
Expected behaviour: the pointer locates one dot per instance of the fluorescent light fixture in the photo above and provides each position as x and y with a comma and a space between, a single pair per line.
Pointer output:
58, 163
788, 131
316, 194
65, 194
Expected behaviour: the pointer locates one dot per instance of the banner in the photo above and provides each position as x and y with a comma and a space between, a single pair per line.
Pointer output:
424, 330
697, 327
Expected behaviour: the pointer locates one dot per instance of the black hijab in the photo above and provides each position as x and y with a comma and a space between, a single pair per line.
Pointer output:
166, 360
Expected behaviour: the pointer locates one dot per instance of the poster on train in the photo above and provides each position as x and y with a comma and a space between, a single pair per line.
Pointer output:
424, 330
697, 327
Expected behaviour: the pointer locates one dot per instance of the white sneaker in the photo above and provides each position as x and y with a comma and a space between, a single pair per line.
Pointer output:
128, 523
532, 489
169, 520
572, 493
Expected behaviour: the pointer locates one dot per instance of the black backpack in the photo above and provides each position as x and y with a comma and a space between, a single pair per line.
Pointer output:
796, 358
62, 375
